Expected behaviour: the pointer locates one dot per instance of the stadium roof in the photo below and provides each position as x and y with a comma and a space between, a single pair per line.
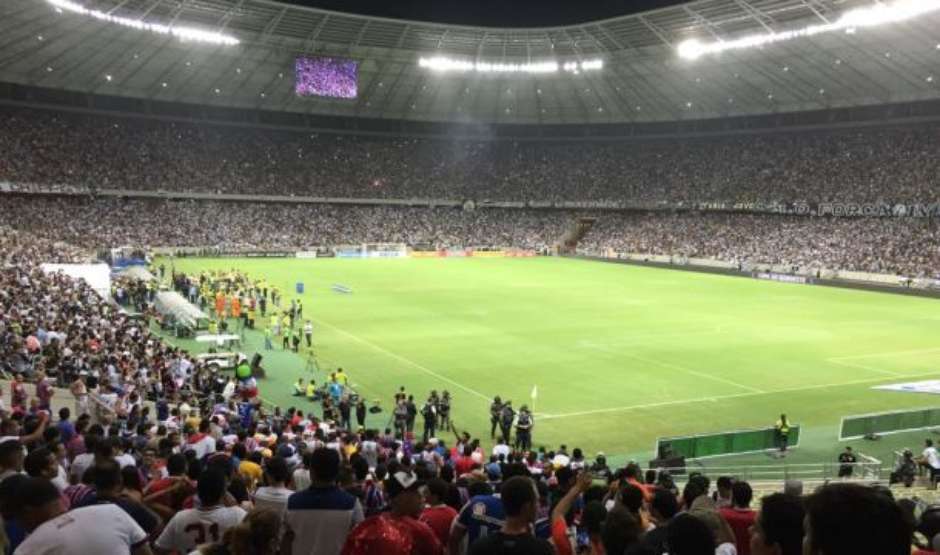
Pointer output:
642, 80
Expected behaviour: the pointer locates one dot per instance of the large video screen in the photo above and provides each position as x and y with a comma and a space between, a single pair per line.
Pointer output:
331, 77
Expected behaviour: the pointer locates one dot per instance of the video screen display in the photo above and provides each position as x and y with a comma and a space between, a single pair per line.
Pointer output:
330, 77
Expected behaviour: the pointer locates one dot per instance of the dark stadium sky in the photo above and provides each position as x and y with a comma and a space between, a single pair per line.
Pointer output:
493, 13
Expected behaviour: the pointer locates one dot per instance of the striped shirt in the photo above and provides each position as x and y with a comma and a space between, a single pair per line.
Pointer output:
320, 519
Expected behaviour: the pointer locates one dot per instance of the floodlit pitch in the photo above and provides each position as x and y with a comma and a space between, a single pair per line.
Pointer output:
621, 354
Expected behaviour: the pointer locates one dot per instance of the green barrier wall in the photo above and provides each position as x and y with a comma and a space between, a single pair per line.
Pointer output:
888, 422
726, 443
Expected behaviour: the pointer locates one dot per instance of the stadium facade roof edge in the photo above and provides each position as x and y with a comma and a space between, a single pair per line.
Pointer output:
643, 80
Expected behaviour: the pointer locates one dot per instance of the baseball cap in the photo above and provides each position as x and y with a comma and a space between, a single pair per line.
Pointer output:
401, 482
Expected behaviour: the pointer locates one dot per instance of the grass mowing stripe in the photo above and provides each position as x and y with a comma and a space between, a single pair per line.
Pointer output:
862, 366
726, 397
695, 373
682, 369
396, 356
887, 354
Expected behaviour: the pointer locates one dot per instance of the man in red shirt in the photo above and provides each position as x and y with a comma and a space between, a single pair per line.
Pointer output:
632, 475
740, 517
403, 488
464, 464
436, 514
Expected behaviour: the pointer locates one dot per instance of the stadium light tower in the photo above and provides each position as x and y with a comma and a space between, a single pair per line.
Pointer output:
181, 32
443, 64
872, 16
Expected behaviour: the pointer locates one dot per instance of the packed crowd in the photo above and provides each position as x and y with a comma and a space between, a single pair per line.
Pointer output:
871, 165
908, 247
257, 484
903, 246
94, 223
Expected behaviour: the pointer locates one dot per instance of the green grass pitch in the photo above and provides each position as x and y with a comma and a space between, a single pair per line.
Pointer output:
621, 354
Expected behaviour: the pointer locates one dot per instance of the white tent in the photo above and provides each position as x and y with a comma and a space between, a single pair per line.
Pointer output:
171, 303
138, 272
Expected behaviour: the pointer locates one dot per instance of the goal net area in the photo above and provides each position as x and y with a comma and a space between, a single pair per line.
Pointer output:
372, 250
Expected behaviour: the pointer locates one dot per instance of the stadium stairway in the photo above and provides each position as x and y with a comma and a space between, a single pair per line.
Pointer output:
578, 229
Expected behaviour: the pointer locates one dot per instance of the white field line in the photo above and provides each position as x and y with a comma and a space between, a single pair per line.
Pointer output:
678, 368
695, 373
406, 360
725, 397
862, 366
885, 354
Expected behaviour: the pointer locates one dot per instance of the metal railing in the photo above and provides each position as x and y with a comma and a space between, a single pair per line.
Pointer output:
867, 469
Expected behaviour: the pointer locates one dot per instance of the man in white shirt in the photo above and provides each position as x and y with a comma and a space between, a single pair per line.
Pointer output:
274, 495
502, 448
83, 462
94, 529
202, 442
931, 459
191, 528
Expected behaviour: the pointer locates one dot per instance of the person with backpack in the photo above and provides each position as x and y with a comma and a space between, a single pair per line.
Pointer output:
401, 419
429, 413
496, 407
443, 410
506, 417
524, 424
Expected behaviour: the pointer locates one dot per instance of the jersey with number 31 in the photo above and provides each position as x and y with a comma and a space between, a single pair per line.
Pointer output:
191, 528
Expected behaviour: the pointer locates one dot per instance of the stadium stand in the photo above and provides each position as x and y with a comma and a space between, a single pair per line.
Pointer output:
892, 165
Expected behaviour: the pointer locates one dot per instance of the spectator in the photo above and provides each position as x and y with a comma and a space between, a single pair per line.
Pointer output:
930, 460
437, 514
663, 508
688, 535
560, 532
843, 519
257, 534
722, 494
778, 528
274, 495
483, 515
520, 502
403, 489
109, 489
11, 458
847, 460
94, 529
319, 518
740, 517
208, 522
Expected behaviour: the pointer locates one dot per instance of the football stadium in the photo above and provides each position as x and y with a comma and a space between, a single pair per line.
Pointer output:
322, 277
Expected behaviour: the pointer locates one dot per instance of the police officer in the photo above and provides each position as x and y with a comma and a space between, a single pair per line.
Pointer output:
496, 407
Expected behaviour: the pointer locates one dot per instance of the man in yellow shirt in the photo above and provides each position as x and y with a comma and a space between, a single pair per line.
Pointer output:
275, 327
341, 377
311, 390
285, 328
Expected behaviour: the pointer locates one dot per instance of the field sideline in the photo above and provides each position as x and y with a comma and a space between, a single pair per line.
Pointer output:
620, 354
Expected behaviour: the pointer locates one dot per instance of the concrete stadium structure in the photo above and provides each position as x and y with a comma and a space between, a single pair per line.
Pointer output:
643, 80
